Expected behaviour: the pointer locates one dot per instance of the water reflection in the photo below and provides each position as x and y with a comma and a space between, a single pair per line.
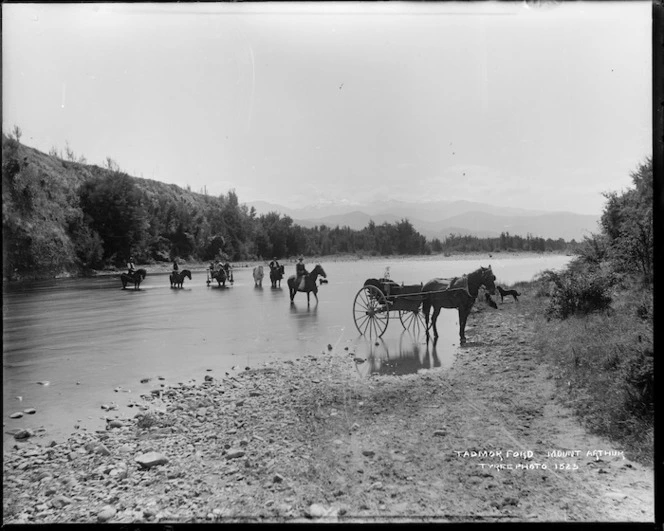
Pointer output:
304, 314
408, 355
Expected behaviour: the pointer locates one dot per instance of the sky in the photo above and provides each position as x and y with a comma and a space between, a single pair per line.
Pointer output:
542, 105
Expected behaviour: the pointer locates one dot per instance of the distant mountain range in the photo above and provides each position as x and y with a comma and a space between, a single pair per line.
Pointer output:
439, 219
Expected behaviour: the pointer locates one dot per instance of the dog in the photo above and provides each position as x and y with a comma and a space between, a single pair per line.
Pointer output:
507, 292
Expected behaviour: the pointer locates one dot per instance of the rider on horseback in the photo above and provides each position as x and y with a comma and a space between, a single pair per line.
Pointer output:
301, 272
175, 265
273, 265
229, 271
130, 267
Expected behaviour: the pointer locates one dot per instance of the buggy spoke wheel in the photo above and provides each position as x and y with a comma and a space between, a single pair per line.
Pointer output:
371, 311
412, 320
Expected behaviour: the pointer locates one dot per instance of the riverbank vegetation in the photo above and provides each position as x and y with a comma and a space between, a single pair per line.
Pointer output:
597, 322
62, 215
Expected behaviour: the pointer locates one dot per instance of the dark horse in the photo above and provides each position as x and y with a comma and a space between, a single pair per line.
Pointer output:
220, 276
455, 293
276, 274
177, 279
134, 279
309, 283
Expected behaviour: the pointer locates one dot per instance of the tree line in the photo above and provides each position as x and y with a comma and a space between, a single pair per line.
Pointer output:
61, 214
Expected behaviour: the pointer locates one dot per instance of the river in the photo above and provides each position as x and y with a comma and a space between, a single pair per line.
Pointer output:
72, 346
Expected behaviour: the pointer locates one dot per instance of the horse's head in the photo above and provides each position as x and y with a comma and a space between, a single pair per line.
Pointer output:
187, 273
319, 270
488, 279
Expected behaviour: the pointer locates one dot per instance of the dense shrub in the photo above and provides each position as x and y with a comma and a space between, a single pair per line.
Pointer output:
579, 293
638, 378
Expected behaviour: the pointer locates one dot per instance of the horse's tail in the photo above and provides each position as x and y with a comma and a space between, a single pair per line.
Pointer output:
426, 308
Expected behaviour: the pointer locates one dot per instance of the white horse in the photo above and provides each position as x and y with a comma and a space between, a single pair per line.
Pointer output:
258, 276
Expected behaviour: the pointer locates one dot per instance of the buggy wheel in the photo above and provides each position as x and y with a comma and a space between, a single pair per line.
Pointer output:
371, 311
412, 320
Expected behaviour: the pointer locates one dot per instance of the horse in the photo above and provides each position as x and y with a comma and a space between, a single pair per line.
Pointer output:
258, 276
457, 293
135, 279
220, 276
177, 279
309, 283
276, 274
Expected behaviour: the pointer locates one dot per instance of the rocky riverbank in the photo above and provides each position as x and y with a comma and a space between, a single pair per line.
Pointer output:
313, 439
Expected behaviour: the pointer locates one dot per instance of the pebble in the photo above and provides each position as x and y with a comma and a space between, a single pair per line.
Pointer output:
150, 459
234, 453
16, 415
30, 411
102, 450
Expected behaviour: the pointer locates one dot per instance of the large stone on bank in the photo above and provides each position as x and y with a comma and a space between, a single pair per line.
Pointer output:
234, 453
23, 434
60, 501
150, 459
316, 510
106, 513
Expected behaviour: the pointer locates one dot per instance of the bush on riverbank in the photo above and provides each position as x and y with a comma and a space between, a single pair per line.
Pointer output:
596, 322
578, 292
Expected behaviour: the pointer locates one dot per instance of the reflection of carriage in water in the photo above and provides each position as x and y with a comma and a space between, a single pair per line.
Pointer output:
408, 357
379, 297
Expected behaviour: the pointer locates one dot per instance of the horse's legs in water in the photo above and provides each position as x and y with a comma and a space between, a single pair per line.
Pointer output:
426, 306
434, 318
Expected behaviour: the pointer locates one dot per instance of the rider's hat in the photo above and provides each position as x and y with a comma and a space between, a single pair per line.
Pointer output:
301, 258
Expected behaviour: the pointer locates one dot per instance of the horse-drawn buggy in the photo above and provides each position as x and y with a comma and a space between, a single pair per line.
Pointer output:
378, 298
220, 273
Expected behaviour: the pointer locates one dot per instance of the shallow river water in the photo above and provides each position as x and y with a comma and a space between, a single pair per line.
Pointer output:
71, 346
